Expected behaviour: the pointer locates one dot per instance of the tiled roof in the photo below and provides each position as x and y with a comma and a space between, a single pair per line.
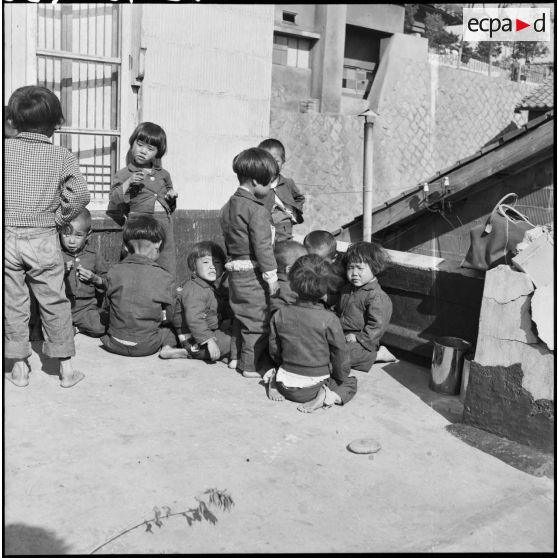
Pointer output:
541, 98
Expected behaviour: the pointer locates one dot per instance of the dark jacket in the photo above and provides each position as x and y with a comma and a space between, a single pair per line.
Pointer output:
306, 339
141, 198
246, 226
201, 309
137, 290
365, 311
285, 295
289, 194
91, 260
336, 281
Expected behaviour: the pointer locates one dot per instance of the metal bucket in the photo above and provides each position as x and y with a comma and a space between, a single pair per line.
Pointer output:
465, 377
447, 364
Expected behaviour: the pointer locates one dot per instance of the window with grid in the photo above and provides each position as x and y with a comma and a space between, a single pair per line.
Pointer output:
291, 51
78, 57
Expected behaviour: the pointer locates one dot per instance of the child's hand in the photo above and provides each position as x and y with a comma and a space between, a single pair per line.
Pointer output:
171, 193
87, 276
213, 350
68, 265
273, 287
137, 177
350, 338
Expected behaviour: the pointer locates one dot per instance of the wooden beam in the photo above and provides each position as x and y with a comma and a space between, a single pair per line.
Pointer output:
513, 154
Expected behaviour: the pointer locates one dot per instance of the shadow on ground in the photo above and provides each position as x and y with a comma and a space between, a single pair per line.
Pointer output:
28, 540
449, 406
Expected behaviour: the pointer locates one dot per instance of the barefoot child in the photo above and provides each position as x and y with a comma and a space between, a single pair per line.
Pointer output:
143, 187
201, 317
286, 253
285, 202
138, 290
85, 276
364, 308
246, 226
307, 342
43, 189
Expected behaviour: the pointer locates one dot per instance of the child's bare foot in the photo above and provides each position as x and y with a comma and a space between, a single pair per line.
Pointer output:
68, 376
384, 355
233, 364
313, 404
19, 376
173, 352
271, 389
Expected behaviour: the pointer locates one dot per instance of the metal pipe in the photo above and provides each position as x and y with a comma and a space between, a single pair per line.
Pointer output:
367, 182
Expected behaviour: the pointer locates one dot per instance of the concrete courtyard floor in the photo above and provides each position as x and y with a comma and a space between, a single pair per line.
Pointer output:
83, 464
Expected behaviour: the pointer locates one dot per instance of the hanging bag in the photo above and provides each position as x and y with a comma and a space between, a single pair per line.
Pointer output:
494, 242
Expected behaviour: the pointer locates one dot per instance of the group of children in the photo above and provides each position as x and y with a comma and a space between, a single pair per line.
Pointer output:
298, 315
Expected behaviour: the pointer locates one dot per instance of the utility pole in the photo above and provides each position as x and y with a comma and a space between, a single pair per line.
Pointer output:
368, 178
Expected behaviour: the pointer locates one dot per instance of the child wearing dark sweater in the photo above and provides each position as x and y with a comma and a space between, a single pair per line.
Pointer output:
138, 291
202, 316
307, 343
85, 276
364, 308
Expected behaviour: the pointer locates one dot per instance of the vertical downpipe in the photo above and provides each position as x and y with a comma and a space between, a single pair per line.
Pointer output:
367, 182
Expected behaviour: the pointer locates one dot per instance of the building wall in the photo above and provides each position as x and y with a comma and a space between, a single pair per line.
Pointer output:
382, 17
305, 17
289, 86
208, 83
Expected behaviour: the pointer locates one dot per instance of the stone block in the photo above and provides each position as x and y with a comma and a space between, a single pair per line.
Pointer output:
536, 260
503, 284
542, 301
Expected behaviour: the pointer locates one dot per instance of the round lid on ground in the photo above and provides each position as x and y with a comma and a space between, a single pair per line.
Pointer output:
364, 445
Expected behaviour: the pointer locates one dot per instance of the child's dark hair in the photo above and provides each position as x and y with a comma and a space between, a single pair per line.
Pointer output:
322, 243
287, 252
203, 249
35, 109
152, 134
370, 253
143, 227
309, 277
257, 164
271, 143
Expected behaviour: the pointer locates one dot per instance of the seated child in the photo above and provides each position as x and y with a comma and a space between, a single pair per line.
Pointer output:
138, 290
85, 276
364, 308
285, 202
324, 244
286, 253
202, 316
307, 342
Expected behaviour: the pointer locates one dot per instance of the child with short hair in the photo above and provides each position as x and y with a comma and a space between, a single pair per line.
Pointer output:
324, 244
285, 202
202, 316
364, 308
246, 226
286, 253
138, 291
43, 189
308, 344
85, 276
144, 187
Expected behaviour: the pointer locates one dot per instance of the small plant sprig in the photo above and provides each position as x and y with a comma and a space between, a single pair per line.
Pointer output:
219, 499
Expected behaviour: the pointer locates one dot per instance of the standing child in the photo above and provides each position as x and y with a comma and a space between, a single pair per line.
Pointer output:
143, 187
138, 291
85, 275
202, 316
246, 226
43, 189
286, 253
364, 308
307, 342
285, 202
